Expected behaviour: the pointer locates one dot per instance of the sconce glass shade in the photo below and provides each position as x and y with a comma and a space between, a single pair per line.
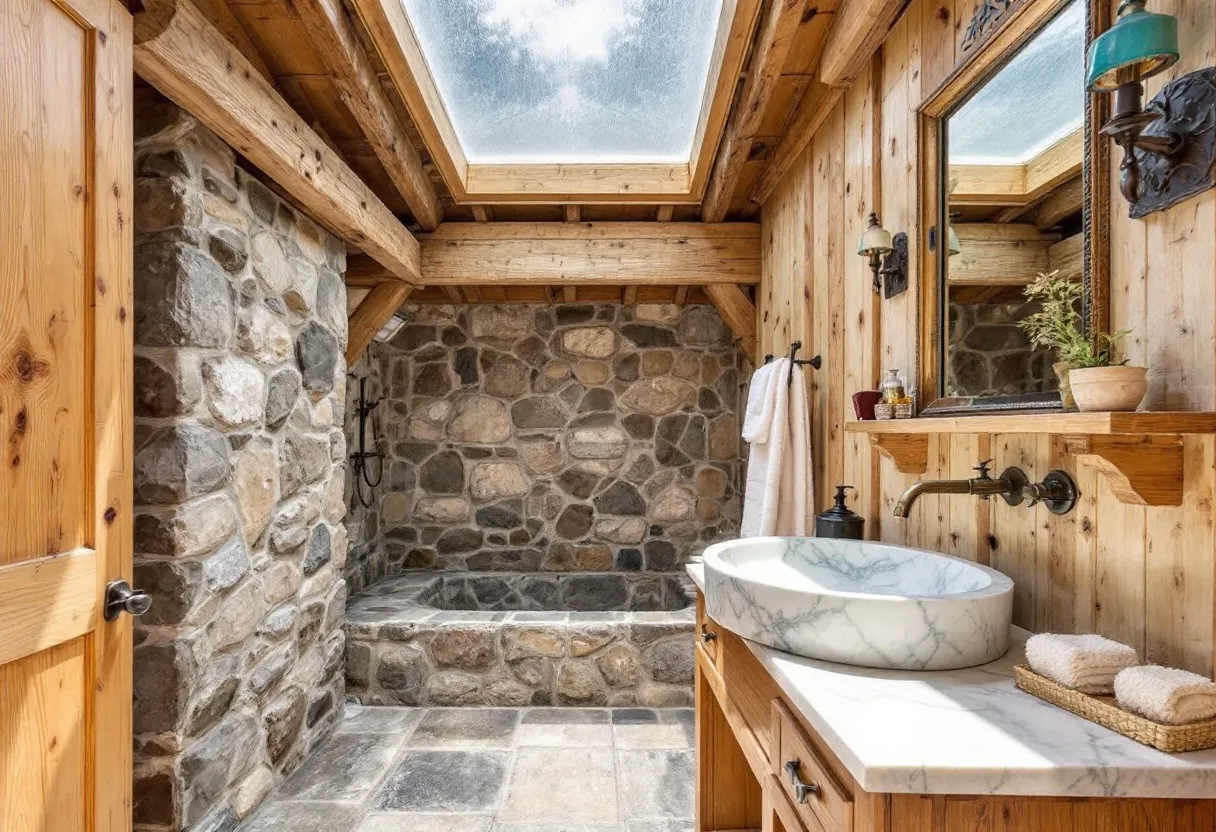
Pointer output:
1139, 45
952, 242
875, 239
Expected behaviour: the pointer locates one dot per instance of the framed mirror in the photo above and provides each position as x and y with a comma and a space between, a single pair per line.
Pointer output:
1015, 183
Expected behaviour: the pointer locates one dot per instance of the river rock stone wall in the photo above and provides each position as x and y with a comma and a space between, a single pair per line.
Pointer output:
240, 326
568, 438
990, 354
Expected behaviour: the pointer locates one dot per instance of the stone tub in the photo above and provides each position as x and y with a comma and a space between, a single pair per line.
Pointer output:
515, 639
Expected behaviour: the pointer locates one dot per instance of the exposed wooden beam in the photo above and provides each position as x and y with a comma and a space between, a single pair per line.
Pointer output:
472, 294
1019, 184
816, 105
1064, 202
179, 52
681, 295
453, 293
222, 18
570, 294
665, 213
590, 253
860, 28
481, 213
334, 38
777, 33
573, 213
738, 313
550, 295
630, 295
993, 254
373, 313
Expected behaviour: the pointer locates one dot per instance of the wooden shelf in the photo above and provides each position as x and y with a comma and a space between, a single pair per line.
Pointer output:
1086, 424
1140, 454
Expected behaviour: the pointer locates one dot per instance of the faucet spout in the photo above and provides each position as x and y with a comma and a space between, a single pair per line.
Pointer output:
1008, 486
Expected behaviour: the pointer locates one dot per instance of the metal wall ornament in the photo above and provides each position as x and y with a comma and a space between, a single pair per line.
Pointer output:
985, 21
1173, 158
894, 269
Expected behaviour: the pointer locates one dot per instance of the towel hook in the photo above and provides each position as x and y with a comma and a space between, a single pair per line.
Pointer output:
815, 362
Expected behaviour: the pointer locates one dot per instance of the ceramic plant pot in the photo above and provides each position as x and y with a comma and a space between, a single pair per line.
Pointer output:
1062, 369
1108, 388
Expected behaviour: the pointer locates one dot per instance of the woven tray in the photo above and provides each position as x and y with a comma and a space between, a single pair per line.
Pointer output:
1105, 711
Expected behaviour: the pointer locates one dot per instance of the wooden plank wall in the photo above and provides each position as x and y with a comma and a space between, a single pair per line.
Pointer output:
1142, 575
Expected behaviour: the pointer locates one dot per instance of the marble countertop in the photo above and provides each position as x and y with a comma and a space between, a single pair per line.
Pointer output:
972, 732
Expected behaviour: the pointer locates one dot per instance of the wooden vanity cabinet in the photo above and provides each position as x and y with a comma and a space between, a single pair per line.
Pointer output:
754, 751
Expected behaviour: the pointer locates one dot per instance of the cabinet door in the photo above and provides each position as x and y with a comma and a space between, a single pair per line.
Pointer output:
65, 414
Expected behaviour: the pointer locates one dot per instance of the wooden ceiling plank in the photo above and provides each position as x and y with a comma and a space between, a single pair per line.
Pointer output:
372, 314
777, 33
738, 313
620, 254
859, 29
188, 60
817, 104
333, 36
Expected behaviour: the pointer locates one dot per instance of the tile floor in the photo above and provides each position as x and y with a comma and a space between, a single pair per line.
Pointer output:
493, 770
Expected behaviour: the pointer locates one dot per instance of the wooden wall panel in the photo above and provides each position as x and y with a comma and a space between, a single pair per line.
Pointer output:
1142, 575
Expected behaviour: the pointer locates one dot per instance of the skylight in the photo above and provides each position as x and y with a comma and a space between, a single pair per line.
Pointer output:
570, 81
1046, 78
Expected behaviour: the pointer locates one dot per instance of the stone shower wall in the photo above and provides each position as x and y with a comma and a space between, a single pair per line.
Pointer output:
569, 438
991, 355
240, 325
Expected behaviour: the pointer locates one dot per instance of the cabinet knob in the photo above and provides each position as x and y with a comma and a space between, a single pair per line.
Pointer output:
121, 598
802, 790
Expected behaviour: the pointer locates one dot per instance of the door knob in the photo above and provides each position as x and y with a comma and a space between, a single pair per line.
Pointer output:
121, 598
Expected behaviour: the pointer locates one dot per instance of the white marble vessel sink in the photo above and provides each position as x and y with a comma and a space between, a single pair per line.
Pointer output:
859, 603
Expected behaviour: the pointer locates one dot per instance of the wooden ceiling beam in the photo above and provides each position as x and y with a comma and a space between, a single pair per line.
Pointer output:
188, 60
738, 313
372, 314
1064, 202
333, 36
590, 253
860, 28
778, 32
222, 18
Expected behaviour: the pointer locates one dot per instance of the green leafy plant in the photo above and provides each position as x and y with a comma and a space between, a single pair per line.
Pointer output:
1058, 324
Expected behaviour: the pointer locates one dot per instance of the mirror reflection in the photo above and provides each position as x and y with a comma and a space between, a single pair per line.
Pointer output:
1014, 201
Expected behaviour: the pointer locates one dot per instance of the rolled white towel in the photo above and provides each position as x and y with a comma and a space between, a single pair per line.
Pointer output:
1087, 663
1166, 694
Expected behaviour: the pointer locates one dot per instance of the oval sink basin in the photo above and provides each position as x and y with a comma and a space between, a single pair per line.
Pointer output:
859, 603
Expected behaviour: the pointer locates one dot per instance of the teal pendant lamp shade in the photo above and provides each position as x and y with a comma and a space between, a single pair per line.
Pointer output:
1138, 46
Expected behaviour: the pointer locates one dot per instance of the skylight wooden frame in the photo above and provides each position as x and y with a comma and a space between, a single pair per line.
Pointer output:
393, 36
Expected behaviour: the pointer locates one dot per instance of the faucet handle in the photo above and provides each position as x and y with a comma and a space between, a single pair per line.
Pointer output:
982, 468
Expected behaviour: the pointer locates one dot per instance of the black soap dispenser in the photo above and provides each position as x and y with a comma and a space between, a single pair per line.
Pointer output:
839, 521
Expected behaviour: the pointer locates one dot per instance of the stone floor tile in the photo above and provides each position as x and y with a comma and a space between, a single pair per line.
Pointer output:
631, 716
529, 826
416, 822
565, 735
378, 719
445, 781
465, 728
565, 716
305, 816
562, 785
676, 728
660, 826
656, 784
344, 767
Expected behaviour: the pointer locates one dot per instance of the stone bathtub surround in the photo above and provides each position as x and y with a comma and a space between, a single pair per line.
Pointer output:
568, 438
510, 640
240, 323
860, 603
971, 731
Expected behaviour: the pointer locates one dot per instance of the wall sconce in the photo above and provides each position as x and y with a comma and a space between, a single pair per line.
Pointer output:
888, 257
1170, 145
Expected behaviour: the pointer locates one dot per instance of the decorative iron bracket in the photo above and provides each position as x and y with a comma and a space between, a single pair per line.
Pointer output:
894, 269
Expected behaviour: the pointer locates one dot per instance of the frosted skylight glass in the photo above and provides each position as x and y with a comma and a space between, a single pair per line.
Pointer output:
1034, 101
529, 81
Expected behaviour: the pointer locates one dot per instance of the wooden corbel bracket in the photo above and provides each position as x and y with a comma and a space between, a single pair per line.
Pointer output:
1141, 470
909, 451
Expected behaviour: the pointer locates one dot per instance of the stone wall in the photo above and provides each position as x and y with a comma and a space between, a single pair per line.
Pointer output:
991, 355
240, 322
569, 438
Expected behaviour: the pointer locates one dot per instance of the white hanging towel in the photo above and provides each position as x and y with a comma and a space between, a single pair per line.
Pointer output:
777, 495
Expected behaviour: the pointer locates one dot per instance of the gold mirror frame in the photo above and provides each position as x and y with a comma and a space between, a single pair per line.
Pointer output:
985, 57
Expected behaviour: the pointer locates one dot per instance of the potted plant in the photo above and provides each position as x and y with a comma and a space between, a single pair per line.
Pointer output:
1088, 368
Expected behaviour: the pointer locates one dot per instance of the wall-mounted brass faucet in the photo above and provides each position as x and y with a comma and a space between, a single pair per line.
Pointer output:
1008, 486
1057, 491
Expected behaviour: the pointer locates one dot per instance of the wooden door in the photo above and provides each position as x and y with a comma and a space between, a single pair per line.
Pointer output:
65, 414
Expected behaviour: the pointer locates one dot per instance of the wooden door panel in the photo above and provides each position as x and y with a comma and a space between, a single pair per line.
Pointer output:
65, 414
